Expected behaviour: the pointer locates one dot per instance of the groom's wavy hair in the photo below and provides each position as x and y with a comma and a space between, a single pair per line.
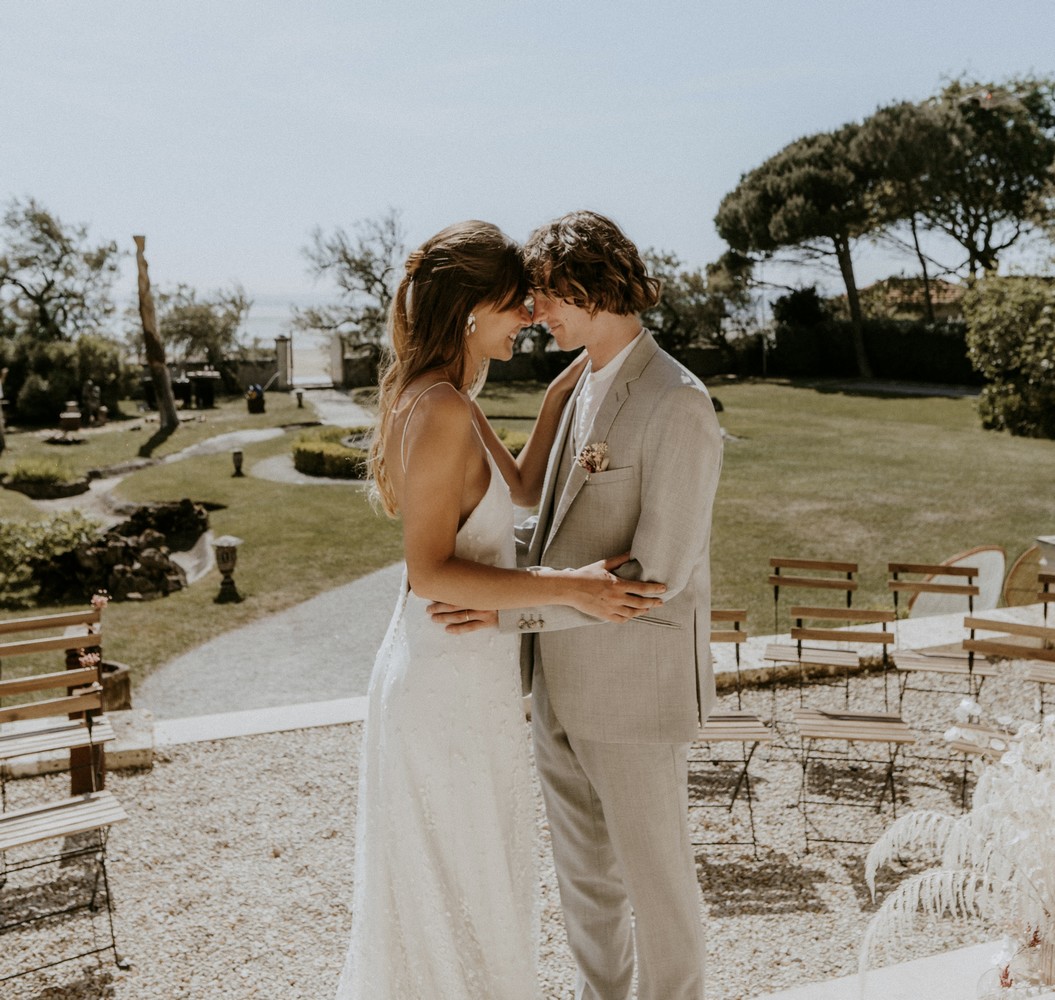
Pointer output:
586, 259
465, 266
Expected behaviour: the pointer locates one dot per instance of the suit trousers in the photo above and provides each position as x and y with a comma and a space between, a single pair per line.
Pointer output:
618, 816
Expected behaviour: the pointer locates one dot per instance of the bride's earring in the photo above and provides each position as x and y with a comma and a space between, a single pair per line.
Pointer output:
470, 325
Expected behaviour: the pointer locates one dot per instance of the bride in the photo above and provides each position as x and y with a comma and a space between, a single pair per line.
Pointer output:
445, 901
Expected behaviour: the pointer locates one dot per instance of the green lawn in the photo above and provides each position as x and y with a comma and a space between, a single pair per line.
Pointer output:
120, 440
814, 473
827, 474
823, 473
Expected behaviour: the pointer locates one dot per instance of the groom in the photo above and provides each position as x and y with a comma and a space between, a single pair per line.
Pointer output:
634, 468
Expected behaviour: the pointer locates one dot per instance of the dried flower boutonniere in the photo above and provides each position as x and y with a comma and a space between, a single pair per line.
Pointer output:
594, 457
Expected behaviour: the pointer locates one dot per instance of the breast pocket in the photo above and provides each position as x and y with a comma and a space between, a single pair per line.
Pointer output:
610, 476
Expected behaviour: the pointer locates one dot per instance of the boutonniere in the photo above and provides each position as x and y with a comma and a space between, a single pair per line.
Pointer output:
594, 457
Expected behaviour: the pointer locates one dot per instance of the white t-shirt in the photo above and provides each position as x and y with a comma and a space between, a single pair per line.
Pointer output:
594, 389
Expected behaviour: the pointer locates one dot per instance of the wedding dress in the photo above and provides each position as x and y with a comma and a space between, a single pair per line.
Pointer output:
445, 905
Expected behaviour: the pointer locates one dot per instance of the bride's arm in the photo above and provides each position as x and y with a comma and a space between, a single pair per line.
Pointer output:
440, 447
525, 473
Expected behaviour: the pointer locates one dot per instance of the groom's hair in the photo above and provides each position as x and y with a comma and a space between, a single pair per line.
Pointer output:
585, 258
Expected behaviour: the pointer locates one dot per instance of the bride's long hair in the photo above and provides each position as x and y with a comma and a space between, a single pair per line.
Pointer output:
462, 267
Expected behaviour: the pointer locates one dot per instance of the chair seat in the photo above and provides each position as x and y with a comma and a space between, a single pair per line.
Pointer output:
812, 656
910, 661
59, 819
984, 741
56, 735
734, 727
1040, 673
853, 727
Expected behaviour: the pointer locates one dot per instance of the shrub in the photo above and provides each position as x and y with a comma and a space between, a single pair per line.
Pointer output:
319, 451
25, 545
40, 470
332, 461
1011, 340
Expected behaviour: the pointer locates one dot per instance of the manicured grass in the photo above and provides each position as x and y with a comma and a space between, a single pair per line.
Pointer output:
120, 440
822, 473
299, 540
815, 473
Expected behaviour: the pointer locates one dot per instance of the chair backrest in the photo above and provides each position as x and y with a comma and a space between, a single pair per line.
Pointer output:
825, 574
82, 678
814, 632
732, 628
1004, 644
936, 580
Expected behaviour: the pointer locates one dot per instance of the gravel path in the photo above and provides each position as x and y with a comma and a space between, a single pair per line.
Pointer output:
233, 877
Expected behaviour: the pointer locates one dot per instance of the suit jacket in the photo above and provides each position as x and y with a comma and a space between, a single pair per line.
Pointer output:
648, 680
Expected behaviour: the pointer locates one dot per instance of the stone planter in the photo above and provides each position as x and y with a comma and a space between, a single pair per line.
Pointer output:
36, 490
117, 686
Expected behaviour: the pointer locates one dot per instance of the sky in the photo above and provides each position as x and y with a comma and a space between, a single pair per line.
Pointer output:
227, 131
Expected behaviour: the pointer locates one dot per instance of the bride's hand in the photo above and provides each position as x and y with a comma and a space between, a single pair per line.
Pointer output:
566, 381
597, 591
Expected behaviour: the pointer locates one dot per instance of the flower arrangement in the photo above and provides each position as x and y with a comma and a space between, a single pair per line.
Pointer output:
594, 457
995, 862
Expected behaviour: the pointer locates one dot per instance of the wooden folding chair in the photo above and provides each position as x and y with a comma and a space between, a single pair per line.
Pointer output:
743, 728
1034, 644
817, 728
825, 574
1046, 593
69, 721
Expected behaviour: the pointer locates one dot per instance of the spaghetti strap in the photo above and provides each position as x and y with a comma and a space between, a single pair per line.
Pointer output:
413, 407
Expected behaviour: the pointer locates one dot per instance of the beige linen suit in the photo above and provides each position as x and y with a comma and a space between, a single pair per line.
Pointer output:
615, 707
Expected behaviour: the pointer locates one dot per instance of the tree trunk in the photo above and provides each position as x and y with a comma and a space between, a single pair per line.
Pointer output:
155, 350
846, 266
928, 303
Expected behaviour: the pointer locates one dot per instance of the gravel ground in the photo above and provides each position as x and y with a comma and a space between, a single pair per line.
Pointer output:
232, 878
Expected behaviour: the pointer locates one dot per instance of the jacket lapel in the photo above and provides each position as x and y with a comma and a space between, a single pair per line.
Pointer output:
552, 481
617, 395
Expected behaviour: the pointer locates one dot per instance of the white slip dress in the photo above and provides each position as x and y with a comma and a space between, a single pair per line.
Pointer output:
445, 903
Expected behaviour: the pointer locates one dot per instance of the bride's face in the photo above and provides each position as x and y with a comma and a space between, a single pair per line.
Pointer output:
496, 331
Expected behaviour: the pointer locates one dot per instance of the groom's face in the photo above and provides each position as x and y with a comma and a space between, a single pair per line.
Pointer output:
570, 324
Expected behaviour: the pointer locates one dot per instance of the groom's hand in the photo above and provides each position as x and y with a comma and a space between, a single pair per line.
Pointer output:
460, 620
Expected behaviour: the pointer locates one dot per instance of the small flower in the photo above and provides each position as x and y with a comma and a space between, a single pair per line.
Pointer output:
100, 599
594, 457
90, 659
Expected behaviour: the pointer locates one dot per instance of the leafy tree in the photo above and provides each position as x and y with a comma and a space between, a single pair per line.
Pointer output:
207, 326
709, 306
366, 268
813, 196
54, 282
1011, 341
912, 150
998, 182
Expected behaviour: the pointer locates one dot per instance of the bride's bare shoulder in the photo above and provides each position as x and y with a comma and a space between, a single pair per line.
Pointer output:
431, 408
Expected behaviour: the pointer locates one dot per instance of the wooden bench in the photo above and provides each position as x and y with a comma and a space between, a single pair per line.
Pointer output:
1033, 644
57, 711
975, 742
743, 728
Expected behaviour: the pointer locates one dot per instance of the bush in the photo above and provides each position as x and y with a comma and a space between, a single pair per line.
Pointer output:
1011, 339
40, 470
25, 545
319, 451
